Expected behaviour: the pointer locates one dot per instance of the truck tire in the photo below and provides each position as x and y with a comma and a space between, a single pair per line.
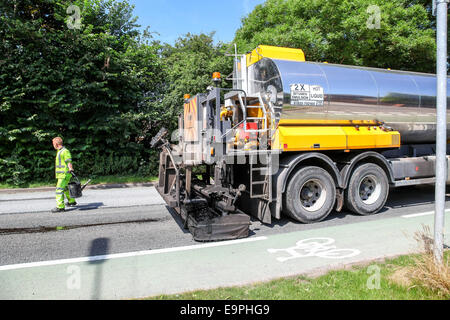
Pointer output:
310, 195
367, 190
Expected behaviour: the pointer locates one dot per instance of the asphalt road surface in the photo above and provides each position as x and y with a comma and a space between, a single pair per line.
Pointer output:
126, 243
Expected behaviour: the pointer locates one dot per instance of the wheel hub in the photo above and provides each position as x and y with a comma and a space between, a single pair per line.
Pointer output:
312, 195
369, 189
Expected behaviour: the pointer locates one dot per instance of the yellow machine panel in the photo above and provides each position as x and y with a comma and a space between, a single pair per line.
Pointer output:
337, 135
371, 137
274, 53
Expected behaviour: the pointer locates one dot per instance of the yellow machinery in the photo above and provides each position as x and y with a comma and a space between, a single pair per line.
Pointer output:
296, 137
333, 135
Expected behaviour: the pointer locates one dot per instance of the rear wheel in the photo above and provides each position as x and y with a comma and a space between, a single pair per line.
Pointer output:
310, 195
368, 189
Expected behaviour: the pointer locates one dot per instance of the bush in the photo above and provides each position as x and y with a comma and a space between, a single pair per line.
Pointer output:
98, 87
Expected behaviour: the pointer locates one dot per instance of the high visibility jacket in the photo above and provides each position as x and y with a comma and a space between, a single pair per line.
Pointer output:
63, 157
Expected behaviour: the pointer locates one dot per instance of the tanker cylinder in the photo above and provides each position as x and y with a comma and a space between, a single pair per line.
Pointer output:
404, 101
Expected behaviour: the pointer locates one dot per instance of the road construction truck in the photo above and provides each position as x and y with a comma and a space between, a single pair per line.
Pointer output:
295, 138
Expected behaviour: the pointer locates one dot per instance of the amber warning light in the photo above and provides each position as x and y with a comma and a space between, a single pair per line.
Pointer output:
217, 77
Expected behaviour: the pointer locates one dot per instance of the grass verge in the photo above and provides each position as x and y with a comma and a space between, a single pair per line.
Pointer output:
95, 180
376, 281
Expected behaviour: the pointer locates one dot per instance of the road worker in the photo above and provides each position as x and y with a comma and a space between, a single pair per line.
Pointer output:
63, 172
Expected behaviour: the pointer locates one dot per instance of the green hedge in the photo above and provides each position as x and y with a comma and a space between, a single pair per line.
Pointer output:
98, 87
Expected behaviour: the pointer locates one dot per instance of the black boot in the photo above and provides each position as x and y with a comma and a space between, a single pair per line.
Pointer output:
56, 210
73, 204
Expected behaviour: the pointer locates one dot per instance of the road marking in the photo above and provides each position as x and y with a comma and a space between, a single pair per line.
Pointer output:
315, 247
127, 254
421, 214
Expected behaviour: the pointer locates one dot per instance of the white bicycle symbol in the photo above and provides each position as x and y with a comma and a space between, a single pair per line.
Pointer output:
315, 247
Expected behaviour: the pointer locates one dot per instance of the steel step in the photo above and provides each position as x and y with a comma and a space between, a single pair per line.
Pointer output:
258, 182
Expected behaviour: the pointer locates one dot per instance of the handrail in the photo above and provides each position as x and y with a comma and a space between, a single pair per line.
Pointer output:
225, 134
244, 111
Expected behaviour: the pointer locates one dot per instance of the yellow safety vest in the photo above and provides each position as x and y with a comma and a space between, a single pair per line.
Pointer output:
63, 157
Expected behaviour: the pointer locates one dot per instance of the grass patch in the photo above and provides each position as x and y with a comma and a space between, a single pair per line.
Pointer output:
356, 283
95, 180
120, 179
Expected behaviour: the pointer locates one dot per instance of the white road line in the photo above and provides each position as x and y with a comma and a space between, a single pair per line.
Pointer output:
127, 254
421, 214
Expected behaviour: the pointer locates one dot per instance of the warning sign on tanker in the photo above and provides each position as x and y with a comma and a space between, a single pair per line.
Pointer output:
306, 95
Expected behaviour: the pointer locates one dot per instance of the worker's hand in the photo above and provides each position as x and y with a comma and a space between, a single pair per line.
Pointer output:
72, 172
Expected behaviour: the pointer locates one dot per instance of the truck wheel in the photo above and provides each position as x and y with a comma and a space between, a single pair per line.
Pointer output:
310, 195
368, 189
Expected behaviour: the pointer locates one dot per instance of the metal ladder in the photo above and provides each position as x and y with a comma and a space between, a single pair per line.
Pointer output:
260, 188
264, 170
277, 111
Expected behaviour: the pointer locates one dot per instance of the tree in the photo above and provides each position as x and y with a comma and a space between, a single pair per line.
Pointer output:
189, 66
395, 34
95, 85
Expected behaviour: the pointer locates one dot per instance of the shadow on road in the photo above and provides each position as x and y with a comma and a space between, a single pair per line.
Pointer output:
90, 206
412, 196
177, 218
403, 197
99, 247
